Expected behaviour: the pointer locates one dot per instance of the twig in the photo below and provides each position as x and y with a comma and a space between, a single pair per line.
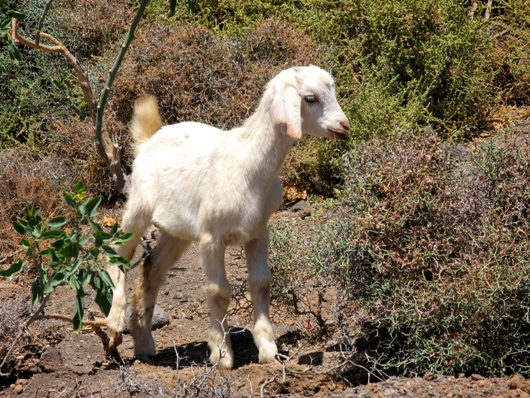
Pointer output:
264, 384
104, 151
28, 322
91, 323
41, 22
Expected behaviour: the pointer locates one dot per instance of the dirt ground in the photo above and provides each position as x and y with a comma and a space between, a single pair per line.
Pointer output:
74, 365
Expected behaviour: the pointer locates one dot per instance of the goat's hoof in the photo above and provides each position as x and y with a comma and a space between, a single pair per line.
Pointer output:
115, 340
145, 357
268, 354
226, 362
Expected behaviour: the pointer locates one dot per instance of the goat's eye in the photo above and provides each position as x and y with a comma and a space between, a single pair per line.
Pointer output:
310, 99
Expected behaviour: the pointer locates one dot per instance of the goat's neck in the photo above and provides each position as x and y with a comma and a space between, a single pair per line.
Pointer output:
265, 147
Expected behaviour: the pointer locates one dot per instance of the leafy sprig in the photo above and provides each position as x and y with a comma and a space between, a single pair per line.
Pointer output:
73, 258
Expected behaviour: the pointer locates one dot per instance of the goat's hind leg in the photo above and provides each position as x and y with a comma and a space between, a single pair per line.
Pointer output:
135, 223
154, 269
260, 281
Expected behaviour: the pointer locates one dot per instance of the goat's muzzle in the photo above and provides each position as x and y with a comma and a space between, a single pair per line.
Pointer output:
341, 133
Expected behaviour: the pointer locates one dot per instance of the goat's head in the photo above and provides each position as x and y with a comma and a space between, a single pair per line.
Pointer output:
305, 103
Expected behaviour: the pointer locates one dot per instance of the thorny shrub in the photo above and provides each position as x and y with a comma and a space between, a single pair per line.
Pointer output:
198, 77
13, 313
433, 245
90, 26
31, 176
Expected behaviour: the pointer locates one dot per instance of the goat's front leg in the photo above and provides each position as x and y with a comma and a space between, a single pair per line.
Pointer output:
218, 297
260, 292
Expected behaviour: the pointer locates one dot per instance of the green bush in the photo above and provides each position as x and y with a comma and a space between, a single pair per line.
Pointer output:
433, 246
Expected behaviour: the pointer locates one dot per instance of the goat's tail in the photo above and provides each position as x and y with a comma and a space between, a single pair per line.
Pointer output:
145, 121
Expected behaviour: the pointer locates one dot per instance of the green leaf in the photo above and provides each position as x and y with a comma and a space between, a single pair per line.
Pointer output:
120, 262
19, 227
4, 27
172, 7
69, 199
98, 239
94, 226
88, 207
79, 310
74, 268
57, 222
52, 234
103, 299
13, 51
84, 276
15, 268
83, 240
69, 250
114, 228
105, 278
24, 243
110, 251
36, 232
16, 14
58, 244
36, 293
57, 279
74, 282
80, 188
124, 237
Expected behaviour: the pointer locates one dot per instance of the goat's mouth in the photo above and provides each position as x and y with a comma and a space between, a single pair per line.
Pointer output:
337, 134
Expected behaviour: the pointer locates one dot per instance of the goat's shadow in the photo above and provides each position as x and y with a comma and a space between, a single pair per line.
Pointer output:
197, 353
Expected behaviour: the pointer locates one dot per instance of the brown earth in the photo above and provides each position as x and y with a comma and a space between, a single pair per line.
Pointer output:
74, 365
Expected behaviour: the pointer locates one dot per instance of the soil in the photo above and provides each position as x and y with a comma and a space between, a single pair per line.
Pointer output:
74, 365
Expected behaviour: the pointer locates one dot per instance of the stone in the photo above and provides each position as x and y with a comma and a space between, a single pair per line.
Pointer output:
160, 318
301, 205
51, 360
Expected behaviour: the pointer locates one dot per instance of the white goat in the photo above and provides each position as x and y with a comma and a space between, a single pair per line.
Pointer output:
196, 182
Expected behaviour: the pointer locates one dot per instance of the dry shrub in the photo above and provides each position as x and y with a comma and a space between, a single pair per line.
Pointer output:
38, 177
90, 26
27, 177
510, 32
435, 245
197, 77
15, 310
430, 252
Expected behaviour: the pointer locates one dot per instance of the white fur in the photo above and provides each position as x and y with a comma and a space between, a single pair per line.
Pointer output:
196, 182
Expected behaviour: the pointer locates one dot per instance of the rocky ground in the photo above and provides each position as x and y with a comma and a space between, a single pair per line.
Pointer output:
56, 362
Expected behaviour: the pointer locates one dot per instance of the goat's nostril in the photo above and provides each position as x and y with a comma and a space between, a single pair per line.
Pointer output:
346, 125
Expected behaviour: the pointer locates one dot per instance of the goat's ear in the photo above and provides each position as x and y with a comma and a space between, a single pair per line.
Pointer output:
286, 111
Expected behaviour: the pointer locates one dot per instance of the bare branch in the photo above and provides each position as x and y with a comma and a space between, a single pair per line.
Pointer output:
41, 22
59, 48
108, 150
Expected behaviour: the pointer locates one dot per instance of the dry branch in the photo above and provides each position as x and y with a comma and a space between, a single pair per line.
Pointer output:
107, 149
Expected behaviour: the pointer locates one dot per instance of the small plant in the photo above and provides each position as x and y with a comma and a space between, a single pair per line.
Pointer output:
60, 253
72, 258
